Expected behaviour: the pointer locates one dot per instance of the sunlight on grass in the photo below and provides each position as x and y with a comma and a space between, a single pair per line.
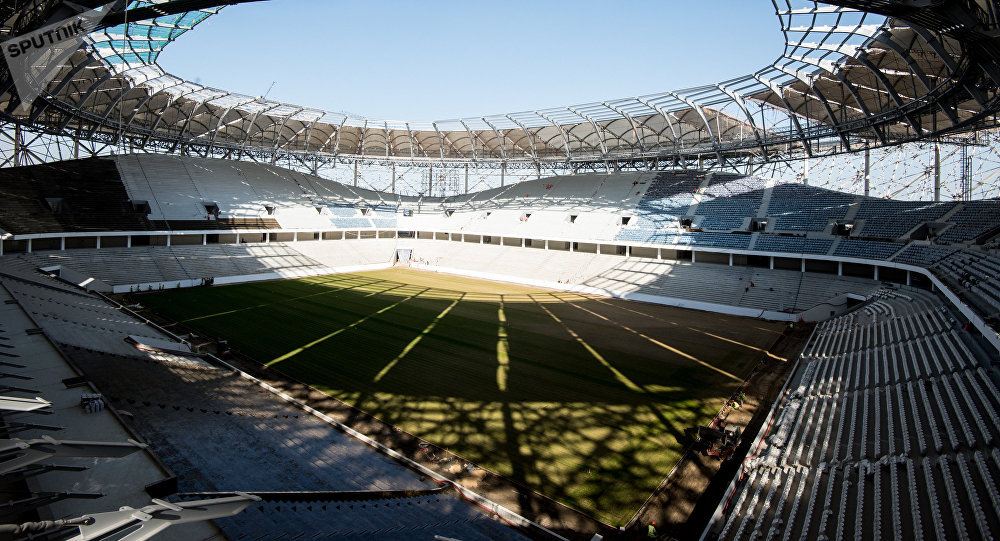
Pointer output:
665, 346
585, 400
413, 343
503, 359
593, 353
320, 340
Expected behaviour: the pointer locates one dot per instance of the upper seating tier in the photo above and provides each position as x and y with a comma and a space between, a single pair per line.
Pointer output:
795, 207
72, 196
186, 193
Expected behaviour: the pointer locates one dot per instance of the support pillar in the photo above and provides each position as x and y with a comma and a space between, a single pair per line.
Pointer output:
355, 173
840, 268
522, 242
204, 240
62, 242
805, 171
503, 173
572, 247
392, 189
693, 253
803, 265
17, 149
466, 178
237, 239
876, 272
168, 240
772, 262
867, 172
546, 244
659, 253
29, 246
98, 243
908, 281
937, 173
730, 260
430, 180
598, 248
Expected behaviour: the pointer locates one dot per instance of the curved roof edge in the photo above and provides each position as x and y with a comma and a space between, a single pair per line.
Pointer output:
847, 78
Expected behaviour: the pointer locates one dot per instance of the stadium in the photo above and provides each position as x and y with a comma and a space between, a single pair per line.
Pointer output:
761, 307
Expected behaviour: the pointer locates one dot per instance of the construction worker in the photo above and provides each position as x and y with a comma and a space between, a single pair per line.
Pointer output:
652, 530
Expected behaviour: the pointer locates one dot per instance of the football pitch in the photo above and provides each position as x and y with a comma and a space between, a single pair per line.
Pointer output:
583, 399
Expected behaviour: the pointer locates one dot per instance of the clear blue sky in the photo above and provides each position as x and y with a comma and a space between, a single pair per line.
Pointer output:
437, 60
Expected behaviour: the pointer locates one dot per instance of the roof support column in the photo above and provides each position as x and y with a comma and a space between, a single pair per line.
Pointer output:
741, 103
867, 172
893, 95
937, 173
531, 140
886, 38
597, 130
670, 123
500, 141
708, 126
861, 104
562, 132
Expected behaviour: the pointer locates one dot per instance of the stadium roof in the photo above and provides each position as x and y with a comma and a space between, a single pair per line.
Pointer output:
860, 73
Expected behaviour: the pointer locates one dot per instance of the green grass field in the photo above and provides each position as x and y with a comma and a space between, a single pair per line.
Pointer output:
583, 399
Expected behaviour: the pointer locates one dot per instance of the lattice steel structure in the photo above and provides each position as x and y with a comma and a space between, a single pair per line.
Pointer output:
853, 75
